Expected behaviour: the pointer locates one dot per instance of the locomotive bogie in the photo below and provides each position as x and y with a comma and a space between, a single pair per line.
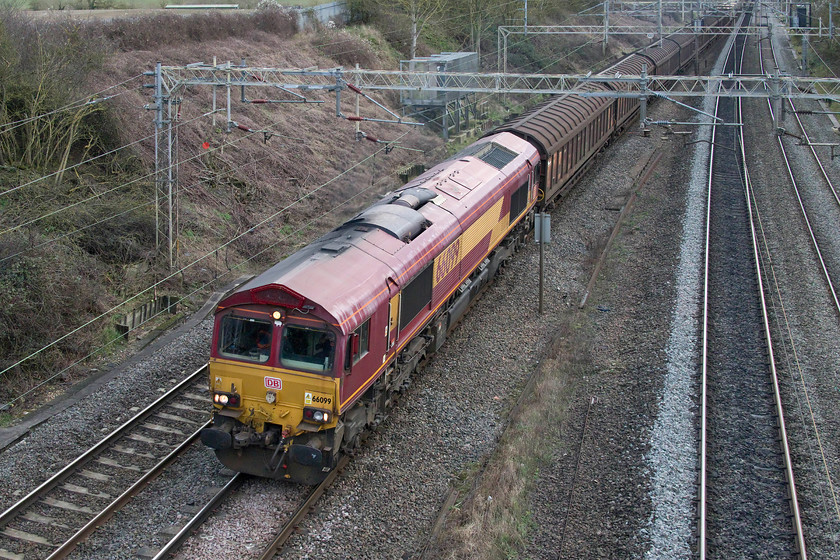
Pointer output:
306, 459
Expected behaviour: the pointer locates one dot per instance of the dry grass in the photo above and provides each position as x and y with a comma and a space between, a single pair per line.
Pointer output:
493, 519
224, 191
106, 8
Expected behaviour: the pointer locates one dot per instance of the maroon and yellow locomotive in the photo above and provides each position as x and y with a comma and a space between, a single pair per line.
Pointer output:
310, 353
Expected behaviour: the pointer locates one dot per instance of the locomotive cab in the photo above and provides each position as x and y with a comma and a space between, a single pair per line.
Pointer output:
274, 382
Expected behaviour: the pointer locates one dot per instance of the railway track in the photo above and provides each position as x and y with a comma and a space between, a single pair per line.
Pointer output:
280, 538
820, 215
306, 505
748, 496
276, 545
175, 543
132, 459
65, 509
809, 386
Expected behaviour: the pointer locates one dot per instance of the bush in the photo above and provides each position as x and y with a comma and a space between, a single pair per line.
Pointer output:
126, 241
347, 49
43, 297
42, 68
171, 29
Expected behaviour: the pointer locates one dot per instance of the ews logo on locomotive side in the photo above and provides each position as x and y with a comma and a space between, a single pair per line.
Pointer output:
447, 261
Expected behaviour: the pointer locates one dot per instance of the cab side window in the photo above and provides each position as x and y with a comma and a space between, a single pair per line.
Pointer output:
359, 344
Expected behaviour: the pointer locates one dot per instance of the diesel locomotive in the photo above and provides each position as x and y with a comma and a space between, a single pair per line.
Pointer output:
310, 354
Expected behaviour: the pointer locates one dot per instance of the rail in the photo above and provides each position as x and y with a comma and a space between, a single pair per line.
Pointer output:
81, 520
193, 524
808, 223
277, 543
798, 536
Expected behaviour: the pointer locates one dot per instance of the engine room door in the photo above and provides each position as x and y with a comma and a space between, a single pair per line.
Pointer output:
393, 319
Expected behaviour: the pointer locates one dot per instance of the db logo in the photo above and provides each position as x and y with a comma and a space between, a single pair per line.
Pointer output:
273, 383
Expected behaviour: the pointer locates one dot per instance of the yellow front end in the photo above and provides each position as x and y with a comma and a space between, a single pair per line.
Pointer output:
273, 422
275, 396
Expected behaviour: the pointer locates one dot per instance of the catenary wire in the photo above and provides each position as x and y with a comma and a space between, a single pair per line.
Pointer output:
193, 263
489, 54
89, 160
118, 187
8, 191
181, 190
198, 289
212, 252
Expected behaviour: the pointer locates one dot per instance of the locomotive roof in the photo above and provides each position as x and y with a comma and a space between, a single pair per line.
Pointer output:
347, 273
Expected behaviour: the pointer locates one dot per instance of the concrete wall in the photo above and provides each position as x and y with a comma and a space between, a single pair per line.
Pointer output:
147, 311
335, 12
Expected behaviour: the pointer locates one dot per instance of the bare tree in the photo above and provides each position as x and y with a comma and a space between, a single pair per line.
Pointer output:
481, 16
418, 12
42, 108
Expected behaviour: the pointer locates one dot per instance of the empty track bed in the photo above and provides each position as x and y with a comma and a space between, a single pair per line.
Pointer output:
745, 490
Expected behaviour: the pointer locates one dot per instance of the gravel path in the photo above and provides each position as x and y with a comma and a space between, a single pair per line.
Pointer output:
635, 467
673, 455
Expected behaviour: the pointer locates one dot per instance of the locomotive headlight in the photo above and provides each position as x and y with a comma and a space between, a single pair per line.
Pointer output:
226, 399
270, 397
277, 315
317, 416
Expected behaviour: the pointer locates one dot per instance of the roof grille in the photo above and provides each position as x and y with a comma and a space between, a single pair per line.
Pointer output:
396, 220
335, 248
490, 153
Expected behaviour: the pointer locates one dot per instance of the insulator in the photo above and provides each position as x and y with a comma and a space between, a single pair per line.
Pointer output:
372, 138
354, 88
352, 118
243, 127
259, 101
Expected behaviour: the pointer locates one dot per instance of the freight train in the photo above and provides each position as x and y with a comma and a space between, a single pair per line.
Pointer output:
308, 356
